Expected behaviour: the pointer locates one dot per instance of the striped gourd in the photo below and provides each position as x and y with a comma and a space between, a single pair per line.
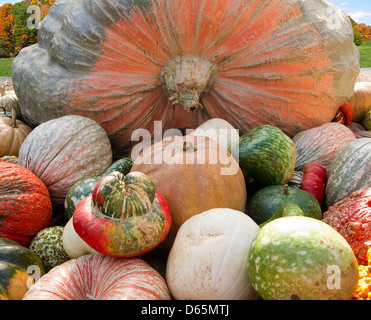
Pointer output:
65, 150
266, 156
321, 144
350, 170
296, 179
100, 277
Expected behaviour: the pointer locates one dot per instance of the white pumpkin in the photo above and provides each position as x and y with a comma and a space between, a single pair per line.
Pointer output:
220, 130
73, 244
209, 255
9, 101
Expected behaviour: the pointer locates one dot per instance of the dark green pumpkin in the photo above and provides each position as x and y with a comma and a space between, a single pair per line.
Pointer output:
17, 264
266, 156
287, 210
265, 202
85, 187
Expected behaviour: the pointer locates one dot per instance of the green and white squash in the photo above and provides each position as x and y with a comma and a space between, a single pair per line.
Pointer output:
124, 216
48, 245
85, 187
350, 170
300, 258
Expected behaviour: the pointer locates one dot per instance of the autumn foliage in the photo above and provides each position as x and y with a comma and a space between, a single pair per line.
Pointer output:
14, 32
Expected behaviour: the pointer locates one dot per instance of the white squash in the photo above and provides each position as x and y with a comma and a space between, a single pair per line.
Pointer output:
73, 244
9, 101
209, 255
220, 130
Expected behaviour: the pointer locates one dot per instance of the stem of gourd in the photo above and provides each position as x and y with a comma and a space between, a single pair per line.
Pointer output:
185, 79
3, 90
188, 147
286, 189
13, 124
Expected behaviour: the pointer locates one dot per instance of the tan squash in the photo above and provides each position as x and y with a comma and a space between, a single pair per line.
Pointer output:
193, 174
360, 100
12, 134
9, 100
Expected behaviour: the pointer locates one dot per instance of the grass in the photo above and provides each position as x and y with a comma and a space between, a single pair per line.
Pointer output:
365, 52
6, 67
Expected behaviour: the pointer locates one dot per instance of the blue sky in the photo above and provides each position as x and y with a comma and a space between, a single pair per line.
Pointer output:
359, 10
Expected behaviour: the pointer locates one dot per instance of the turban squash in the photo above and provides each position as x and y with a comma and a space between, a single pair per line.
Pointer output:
125, 63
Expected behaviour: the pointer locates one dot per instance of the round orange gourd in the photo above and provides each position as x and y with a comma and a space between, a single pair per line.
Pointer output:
193, 174
12, 134
127, 63
360, 100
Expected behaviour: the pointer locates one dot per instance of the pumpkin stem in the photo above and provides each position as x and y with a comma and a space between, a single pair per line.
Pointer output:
286, 189
189, 147
13, 124
3, 90
185, 79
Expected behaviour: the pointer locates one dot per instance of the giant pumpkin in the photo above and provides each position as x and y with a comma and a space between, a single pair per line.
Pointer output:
125, 63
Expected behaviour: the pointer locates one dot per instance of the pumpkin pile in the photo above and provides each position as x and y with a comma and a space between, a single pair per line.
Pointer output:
259, 188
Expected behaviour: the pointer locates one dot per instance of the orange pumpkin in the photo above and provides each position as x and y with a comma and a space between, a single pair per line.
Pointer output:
193, 174
13, 132
128, 63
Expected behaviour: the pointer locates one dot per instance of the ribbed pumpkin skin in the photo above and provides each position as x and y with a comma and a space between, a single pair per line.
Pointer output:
100, 277
11, 138
25, 204
125, 238
203, 177
65, 150
351, 217
350, 170
84, 187
274, 62
321, 144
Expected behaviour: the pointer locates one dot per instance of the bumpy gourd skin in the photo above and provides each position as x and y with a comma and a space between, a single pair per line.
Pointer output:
363, 291
124, 216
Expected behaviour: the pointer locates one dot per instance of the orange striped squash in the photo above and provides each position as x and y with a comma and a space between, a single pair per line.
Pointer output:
100, 277
128, 63
321, 144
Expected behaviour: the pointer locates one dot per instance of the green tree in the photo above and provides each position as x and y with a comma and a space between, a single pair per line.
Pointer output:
23, 36
356, 33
